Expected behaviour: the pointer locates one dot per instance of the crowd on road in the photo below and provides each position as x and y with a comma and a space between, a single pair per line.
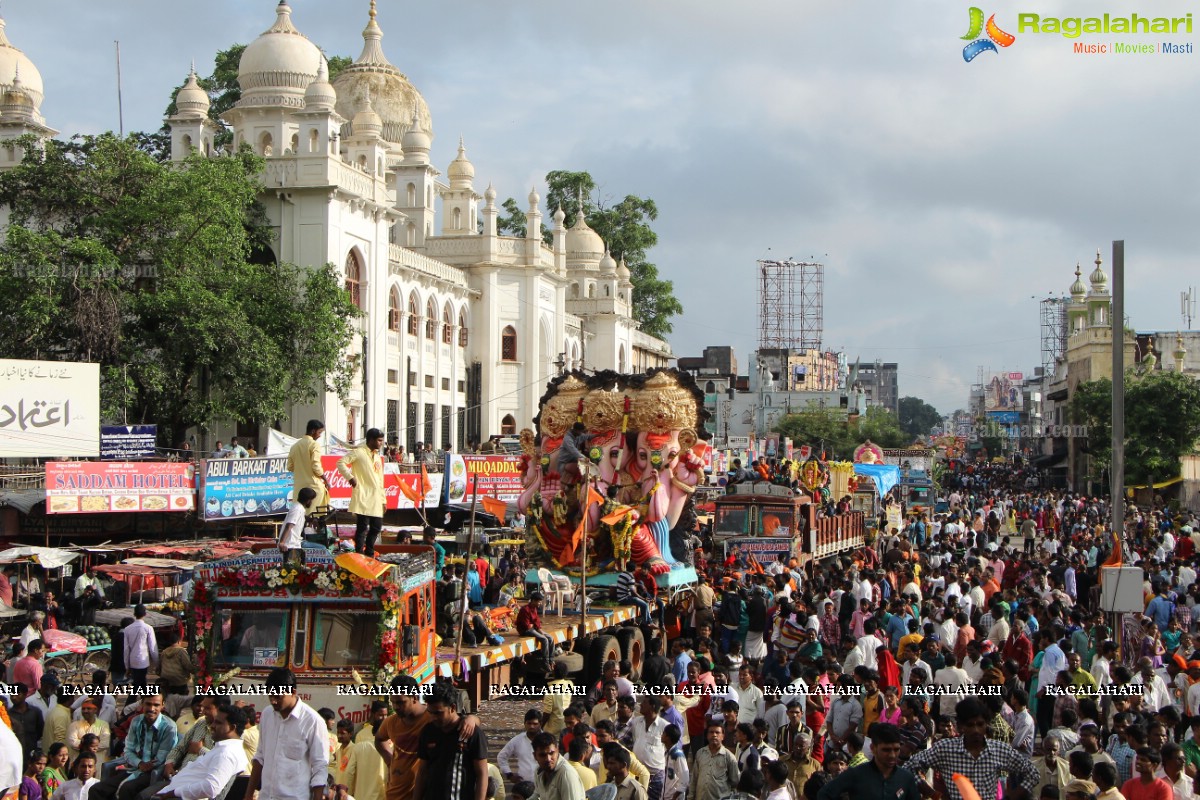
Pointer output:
965, 647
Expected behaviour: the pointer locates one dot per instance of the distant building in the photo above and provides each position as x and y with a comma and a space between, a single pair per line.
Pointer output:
881, 383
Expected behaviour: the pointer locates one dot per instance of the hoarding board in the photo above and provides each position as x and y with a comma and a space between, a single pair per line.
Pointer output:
1002, 393
49, 409
128, 442
99, 487
237, 488
340, 490
498, 476
765, 549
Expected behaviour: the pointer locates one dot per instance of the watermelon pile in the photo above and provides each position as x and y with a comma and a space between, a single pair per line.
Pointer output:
95, 634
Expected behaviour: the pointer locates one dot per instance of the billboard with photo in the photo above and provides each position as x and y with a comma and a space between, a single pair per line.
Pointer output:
100, 487
1002, 392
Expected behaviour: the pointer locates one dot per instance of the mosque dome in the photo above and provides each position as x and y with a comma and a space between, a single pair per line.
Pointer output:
398, 103
277, 67
14, 62
583, 243
1078, 290
461, 171
623, 272
366, 122
608, 265
192, 100
320, 95
1098, 279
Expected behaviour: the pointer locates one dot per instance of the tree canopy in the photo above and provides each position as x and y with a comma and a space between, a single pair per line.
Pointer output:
625, 228
1162, 423
917, 418
149, 270
823, 427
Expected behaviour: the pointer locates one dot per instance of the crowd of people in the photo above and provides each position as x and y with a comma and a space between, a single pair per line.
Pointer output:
966, 647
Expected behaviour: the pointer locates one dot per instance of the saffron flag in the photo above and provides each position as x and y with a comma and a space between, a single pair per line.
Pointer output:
594, 496
426, 484
1115, 559
410, 492
620, 513
497, 508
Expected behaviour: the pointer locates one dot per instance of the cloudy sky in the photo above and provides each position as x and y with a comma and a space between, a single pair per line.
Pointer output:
946, 198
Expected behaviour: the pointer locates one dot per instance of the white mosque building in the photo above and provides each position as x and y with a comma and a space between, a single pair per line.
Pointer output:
462, 327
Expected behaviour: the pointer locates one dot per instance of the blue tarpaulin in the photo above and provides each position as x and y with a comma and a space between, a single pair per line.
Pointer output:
885, 475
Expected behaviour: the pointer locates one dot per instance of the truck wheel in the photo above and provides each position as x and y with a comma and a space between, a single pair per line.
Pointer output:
603, 649
574, 662
633, 648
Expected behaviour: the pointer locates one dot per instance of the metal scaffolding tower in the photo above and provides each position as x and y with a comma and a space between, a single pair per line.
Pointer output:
791, 314
1054, 332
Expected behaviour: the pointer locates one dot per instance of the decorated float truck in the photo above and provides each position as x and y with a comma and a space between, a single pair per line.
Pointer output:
348, 622
764, 520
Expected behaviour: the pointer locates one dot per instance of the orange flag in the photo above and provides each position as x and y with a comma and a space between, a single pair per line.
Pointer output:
616, 516
426, 484
964, 786
497, 508
410, 492
594, 497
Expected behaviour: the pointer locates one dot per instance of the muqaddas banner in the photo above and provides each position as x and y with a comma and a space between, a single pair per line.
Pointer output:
49, 409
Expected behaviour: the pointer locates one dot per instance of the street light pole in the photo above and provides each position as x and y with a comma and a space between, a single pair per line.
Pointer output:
1117, 473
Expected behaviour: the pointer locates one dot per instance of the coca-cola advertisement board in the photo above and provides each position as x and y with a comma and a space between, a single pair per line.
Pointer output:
339, 488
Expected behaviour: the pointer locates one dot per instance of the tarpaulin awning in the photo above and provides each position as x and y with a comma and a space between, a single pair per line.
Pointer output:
47, 557
166, 563
198, 551
885, 476
124, 570
22, 499
111, 617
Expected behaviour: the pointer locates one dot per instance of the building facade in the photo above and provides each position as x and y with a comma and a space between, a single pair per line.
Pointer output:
461, 327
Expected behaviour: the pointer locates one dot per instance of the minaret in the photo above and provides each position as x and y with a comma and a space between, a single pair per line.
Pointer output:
191, 128
416, 186
460, 204
1180, 353
320, 124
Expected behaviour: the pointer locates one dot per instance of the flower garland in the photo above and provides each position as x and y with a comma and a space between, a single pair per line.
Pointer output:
299, 581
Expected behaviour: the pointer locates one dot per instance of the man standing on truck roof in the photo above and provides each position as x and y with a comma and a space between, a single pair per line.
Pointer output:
362, 468
304, 462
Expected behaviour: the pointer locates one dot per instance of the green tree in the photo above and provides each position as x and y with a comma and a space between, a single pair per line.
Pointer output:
1162, 423
625, 228
146, 268
917, 418
820, 427
881, 427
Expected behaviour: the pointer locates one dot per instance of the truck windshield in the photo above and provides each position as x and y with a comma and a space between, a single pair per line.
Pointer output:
777, 521
731, 519
252, 637
345, 638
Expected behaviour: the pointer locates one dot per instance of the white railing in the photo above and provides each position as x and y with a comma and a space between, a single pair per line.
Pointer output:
409, 259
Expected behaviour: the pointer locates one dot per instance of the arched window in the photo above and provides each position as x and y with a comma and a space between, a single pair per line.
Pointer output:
431, 319
591, 290
412, 195
295, 143
354, 278
414, 314
606, 290
411, 235
187, 144
574, 290
394, 310
314, 140
508, 344
621, 359
266, 145
456, 216
508, 426
463, 336
447, 324
710, 388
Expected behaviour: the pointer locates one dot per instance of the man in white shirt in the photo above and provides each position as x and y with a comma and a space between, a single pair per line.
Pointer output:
648, 742
208, 775
292, 761
89, 578
1155, 694
749, 698
520, 747
951, 680
12, 765
141, 650
291, 534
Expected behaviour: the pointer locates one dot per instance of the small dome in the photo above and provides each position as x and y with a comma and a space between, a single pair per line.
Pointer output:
320, 95
416, 143
192, 100
461, 171
276, 67
490, 194
1098, 279
608, 265
17, 102
623, 272
534, 198
559, 216
583, 243
366, 122
14, 62
1078, 290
